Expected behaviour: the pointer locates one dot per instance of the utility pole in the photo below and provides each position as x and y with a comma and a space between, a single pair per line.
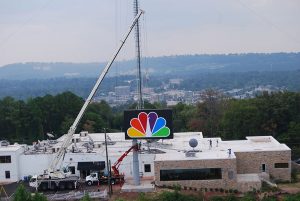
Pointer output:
135, 154
107, 164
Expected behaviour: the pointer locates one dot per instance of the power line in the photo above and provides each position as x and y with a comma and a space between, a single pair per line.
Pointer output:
292, 38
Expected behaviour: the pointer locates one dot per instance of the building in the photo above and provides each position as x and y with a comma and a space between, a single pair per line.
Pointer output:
214, 163
122, 90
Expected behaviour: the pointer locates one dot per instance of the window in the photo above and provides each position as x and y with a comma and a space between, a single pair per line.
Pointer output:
281, 165
72, 169
191, 174
7, 174
5, 159
147, 168
263, 167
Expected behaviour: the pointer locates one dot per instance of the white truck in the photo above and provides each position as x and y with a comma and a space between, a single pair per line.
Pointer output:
54, 174
116, 176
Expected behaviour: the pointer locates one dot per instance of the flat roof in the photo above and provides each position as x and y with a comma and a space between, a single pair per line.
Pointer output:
10, 148
208, 148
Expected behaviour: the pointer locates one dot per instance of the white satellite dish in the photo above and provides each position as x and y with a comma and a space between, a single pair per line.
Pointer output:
50, 135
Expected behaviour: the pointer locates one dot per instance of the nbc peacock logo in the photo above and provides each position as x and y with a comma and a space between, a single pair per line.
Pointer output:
148, 126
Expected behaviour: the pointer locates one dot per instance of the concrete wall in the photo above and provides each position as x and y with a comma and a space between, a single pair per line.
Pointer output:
33, 164
12, 167
225, 164
251, 162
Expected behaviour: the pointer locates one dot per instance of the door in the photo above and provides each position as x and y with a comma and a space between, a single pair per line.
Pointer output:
263, 167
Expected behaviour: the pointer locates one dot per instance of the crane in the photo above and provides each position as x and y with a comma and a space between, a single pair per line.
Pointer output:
117, 164
55, 166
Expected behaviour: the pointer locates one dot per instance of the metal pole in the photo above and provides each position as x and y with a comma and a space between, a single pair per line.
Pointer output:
135, 154
110, 184
107, 165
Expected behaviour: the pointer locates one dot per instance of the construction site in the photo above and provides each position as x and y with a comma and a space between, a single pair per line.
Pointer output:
148, 155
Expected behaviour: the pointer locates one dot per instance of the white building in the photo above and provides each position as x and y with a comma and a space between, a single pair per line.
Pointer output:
251, 158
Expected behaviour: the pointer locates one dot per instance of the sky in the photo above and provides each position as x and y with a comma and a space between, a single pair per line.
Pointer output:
90, 30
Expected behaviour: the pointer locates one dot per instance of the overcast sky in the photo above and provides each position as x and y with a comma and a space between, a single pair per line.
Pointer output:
89, 30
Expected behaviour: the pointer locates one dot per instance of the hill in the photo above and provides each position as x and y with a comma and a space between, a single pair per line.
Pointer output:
167, 65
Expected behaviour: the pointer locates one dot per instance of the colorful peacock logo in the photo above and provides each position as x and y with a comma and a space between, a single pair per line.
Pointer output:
147, 126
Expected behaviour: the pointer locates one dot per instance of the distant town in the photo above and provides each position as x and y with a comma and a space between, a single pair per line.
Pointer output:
171, 94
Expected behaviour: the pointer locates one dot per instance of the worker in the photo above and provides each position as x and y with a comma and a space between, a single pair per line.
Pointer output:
229, 153
210, 143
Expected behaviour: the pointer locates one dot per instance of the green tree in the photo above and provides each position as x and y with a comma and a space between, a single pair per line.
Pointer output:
21, 194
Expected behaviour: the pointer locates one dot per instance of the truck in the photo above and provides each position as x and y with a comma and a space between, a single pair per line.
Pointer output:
100, 178
56, 176
43, 184
116, 177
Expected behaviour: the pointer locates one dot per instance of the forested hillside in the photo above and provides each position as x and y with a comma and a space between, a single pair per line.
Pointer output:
165, 65
270, 114
24, 89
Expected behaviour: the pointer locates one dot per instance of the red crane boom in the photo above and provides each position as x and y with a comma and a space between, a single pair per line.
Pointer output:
116, 165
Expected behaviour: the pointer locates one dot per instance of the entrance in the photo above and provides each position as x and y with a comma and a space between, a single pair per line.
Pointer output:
263, 167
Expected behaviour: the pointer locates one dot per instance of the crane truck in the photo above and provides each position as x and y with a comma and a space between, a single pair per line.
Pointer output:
54, 177
116, 177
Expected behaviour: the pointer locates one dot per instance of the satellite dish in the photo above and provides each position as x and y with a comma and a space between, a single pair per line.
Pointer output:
193, 143
50, 135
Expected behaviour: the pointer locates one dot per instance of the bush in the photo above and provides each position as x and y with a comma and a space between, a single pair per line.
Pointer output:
143, 197
38, 197
295, 197
231, 198
216, 198
294, 177
176, 187
248, 197
21, 194
86, 197
266, 198
175, 196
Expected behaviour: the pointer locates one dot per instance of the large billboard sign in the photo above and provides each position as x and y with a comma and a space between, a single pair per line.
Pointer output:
148, 124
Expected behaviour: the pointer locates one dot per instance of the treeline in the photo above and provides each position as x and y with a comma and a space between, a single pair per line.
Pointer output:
275, 114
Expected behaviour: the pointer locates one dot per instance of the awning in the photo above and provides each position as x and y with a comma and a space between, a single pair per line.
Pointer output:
95, 165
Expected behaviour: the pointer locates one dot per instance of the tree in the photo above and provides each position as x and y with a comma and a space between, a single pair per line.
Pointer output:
21, 194
209, 112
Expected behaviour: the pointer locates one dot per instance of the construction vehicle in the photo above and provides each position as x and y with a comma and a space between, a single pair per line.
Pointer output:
55, 173
116, 177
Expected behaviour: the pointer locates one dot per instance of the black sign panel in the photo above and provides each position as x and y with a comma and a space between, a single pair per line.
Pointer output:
148, 124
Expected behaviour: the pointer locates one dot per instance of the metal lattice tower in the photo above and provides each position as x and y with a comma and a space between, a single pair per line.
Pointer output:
135, 155
138, 56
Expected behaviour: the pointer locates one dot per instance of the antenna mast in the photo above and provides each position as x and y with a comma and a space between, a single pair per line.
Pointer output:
138, 56
135, 154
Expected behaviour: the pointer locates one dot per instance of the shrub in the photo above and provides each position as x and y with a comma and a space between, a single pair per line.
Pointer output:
86, 197
38, 197
22, 194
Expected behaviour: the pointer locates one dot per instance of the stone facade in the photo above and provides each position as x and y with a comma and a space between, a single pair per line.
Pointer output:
251, 162
228, 167
242, 172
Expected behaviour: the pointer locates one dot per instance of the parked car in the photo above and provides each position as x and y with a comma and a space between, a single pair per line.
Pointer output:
297, 161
